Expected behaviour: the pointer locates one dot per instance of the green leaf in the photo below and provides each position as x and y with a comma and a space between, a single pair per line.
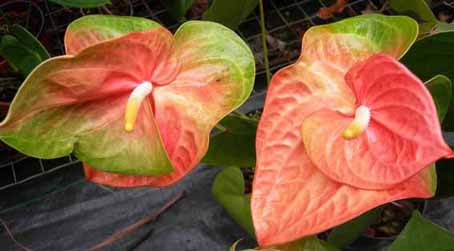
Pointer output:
178, 8
314, 244
445, 174
230, 12
22, 50
306, 244
417, 9
28, 40
422, 235
448, 122
310, 243
443, 27
236, 145
420, 10
431, 56
19, 56
441, 89
228, 190
346, 233
82, 3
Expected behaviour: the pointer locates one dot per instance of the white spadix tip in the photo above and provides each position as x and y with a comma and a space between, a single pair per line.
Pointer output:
134, 101
359, 123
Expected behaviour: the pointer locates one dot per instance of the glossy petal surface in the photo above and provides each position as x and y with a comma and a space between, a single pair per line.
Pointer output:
288, 190
92, 29
402, 138
351, 40
76, 103
216, 76
292, 197
329, 51
309, 202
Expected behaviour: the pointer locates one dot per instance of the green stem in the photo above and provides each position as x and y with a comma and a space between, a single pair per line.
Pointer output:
220, 128
240, 114
264, 45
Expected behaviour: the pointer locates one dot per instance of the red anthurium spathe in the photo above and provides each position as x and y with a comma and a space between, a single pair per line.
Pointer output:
344, 129
130, 99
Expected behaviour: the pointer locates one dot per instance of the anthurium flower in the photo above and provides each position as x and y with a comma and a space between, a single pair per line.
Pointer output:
344, 129
131, 99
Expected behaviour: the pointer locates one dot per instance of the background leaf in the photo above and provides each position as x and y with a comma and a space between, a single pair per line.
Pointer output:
177, 8
431, 56
348, 232
81, 3
441, 89
228, 190
19, 57
310, 243
28, 40
422, 235
443, 27
229, 12
22, 50
417, 9
306, 244
236, 145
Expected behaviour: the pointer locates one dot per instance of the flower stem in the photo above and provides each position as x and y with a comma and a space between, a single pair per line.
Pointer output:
220, 127
264, 45
240, 114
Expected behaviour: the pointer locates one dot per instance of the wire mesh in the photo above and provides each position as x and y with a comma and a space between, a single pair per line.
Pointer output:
285, 20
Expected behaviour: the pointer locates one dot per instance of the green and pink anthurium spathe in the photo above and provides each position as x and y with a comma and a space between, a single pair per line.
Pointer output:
133, 102
344, 129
